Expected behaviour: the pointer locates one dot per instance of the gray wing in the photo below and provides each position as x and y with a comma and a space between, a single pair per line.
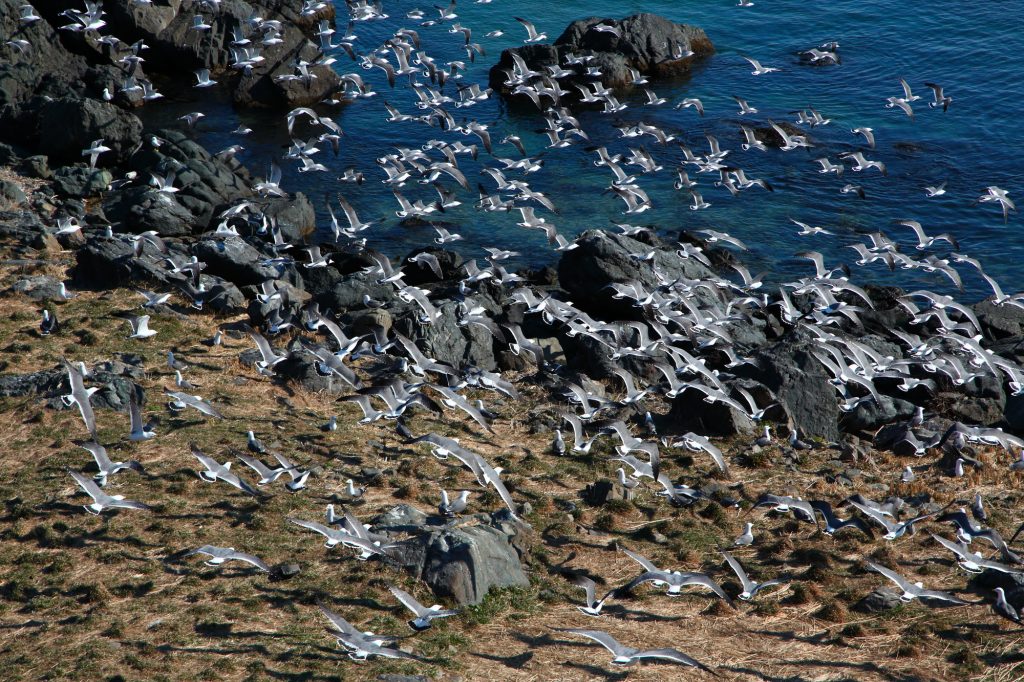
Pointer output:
738, 570
99, 453
314, 526
88, 485
249, 558
604, 639
671, 655
900, 581
409, 601
643, 561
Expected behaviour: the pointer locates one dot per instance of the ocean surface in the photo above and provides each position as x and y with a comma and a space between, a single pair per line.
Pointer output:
972, 49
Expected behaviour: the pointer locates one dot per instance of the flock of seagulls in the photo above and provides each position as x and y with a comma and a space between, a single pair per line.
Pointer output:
683, 330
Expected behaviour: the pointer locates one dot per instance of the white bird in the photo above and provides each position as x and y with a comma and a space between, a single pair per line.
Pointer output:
531, 30
138, 427
624, 655
100, 500
218, 555
758, 69
94, 150
424, 615
203, 79
913, 591
747, 538
750, 587
593, 605
104, 465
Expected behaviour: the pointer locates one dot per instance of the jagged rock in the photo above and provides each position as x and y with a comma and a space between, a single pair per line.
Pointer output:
445, 341
347, 293
141, 209
463, 561
38, 288
603, 257
800, 383
11, 194
106, 263
37, 166
690, 412
871, 415
115, 379
606, 490
882, 599
81, 181
68, 125
648, 43
233, 259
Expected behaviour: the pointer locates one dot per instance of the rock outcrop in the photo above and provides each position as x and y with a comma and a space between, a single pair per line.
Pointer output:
648, 43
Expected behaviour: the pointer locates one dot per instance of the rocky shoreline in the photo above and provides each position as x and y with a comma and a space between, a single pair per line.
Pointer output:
672, 336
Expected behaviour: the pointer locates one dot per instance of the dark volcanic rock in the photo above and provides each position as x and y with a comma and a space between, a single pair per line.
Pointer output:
648, 43
68, 125
80, 182
603, 257
882, 599
800, 383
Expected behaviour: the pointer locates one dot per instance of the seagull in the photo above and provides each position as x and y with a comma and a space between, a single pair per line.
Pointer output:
750, 588
593, 604
450, 508
1003, 608
912, 591
203, 78
80, 395
691, 102
297, 475
999, 195
625, 655
218, 555
214, 470
744, 107
181, 400
424, 615
923, 240
806, 229
254, 444
94, 150
893, 530
758, 69
138, 428
941, 99
140, 327
104, 465
676, 581
48, 325
936, 191
531, 30
868, 133
100, 500
747, 538
351, 489
266, 474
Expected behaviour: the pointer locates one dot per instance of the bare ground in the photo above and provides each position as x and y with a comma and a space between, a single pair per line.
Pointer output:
97, 598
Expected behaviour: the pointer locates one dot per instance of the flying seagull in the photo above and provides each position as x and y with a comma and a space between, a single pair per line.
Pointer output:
100, 500
105, 466
912, 591
423, 614
218, 555
593, 605
625, 655
750, 588
214, 470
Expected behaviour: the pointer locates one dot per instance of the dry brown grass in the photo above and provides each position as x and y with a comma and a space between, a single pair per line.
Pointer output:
93, 598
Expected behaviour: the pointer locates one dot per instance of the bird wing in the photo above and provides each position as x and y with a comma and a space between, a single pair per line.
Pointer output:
409, 601
671, 655
88, 485
602, 638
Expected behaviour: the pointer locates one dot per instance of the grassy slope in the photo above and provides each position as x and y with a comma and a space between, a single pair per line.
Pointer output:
83, 597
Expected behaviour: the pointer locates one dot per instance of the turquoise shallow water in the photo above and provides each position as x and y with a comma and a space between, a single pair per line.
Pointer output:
970, 48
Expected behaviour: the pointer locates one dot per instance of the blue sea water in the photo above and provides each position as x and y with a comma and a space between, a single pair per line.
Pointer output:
970, 48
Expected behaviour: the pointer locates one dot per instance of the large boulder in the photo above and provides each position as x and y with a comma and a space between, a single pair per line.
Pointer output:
800, 383
446, 341
68, 125
462, 561
602, 258
651, 44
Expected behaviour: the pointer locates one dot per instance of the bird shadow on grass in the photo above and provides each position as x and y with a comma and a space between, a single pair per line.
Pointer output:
597, 672
822, 638
223, 651
891, 675
515, 662
762, 676
639, 616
